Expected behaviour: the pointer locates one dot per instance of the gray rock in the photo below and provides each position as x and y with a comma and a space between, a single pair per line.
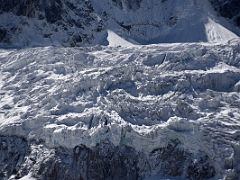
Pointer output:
104, 161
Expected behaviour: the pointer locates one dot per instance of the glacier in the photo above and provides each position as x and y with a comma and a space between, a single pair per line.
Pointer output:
154, 102
119, 89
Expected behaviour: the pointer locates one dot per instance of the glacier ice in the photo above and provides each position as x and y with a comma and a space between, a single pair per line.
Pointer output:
150, 99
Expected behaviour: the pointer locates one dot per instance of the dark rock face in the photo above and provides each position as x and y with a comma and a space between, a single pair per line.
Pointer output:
200, 168
173, 161
3, 35
12, 152
170, 159
51, 9
237, 20
129, 4
228, 9
105, 161
69, 23
54, 11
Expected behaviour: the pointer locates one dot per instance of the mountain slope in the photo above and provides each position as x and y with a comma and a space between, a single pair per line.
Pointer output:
229, 9
54, 22
81, 23
149, 22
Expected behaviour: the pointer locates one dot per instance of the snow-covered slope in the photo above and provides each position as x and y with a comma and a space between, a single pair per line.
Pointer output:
172, 109
81, 23
25, 23
154, 21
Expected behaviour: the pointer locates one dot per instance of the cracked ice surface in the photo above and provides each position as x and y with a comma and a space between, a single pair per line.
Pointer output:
141, 96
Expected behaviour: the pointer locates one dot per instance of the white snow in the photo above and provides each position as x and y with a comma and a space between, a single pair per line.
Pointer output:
218, 33
141, 96
116, 40
27, 177
170, 21
150, 22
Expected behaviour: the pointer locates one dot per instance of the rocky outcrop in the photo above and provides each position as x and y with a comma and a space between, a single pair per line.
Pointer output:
13, 150
3, 35
52, 10
40, 22
105, 161
229, 9
128, 4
